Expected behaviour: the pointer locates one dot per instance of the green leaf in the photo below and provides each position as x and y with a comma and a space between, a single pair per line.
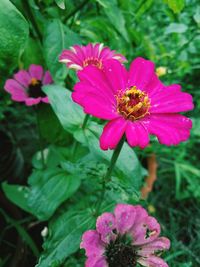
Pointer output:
22, 233
143, 8
13, 35
54, 43
65, 236
60, 3
116, 17
50, 127
49, 189
33, 53
176, 28
69, 113
176, 5
17, 194
57, 37
127, 163
197, 15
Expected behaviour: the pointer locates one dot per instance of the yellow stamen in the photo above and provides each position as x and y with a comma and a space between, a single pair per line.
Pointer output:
34, 81
133, 104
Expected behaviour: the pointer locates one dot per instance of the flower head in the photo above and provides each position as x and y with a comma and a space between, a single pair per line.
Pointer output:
27, 85
125, 238
79, 57
135, 102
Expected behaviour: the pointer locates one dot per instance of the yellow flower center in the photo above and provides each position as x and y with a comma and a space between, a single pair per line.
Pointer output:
133, 104
94, 62
34, 81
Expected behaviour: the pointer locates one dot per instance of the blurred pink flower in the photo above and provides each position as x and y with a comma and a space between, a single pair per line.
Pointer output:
125, 238
27, 85
78, 57
135, 102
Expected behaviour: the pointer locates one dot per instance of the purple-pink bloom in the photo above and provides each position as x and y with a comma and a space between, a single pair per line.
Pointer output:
135, 102
125, 238
79, 57
26, 86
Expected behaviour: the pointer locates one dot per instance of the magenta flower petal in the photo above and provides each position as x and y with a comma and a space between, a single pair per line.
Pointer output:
94, 262
105, 225
116, 75
98, 106
153, 261
125, 238
79, 57
96, 78
112, 133
47, 79
125, 217
16, 90
45, 100
23, 77
32, 101
137, 134
146, 231
91, 242
141, 72
171, 129
36, 71
159, 244
171, 100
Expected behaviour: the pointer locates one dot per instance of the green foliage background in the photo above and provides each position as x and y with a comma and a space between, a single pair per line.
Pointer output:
64, 196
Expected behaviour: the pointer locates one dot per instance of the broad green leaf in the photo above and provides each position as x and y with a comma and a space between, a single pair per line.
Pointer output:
54, 43
69, 113
176, 5
57, 37
176, 28
32, 53
48, 189
65, 236
17, 194
13, 35
50, 127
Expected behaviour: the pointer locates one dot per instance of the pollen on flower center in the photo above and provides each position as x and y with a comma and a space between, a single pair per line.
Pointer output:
93, 61
120, 253
133, 104
35, 89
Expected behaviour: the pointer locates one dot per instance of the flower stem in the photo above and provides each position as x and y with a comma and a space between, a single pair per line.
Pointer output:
75, 146
85, 121
40, 139
107, 176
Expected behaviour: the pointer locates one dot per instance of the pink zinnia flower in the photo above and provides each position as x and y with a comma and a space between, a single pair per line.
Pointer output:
136, 103
125, 238
27, 85
79, 57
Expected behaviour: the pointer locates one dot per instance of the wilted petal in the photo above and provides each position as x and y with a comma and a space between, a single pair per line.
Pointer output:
105, 225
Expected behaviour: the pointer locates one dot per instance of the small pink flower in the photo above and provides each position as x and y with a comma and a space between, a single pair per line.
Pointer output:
27, 85
79, 57
135, 102
125, 238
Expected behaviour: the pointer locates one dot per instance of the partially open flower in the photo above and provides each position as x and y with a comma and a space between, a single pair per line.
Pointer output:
79, 57
27, 85
125, 238
161, 71
136, 104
